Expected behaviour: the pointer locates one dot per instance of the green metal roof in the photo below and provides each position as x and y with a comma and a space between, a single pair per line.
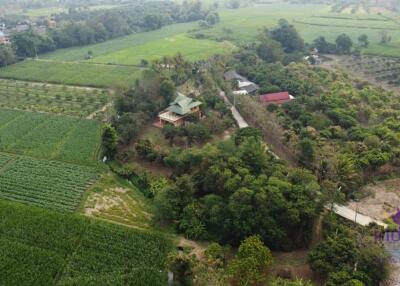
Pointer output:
183, 104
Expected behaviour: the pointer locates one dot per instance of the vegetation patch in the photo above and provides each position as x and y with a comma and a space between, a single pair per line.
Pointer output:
51, 98
117, 200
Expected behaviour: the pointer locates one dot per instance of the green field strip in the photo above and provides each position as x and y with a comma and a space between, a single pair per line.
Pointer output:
74, 101
12, 132
6, 120
43, 139
26, 128
80, 139
58, 147
118, 44
62, 138
74, 74
4, 159
4, 165
347, 26
49, 184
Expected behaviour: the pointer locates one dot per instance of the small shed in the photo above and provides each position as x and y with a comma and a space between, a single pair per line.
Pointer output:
233, 75
251, 88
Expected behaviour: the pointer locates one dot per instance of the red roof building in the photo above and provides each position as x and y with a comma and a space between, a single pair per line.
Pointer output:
276, 98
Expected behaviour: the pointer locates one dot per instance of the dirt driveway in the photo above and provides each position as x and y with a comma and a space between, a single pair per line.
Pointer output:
383, 200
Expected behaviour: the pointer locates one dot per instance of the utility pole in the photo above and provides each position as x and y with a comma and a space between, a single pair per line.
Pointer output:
355, 218
334, 197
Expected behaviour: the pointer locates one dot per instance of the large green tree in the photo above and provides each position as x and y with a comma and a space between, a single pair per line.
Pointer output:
7, 55
287, 35
168, 90
110, 140
334, 254
344, 44
270, 51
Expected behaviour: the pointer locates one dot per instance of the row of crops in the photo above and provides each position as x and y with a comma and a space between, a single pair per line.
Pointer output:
49, 184
48, 136
41, 247
65, 100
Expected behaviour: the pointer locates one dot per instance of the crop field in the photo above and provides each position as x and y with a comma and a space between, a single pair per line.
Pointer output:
313, 20
191, 49
73, 250
57, 99
41, 12
118, 44
131, 49
379, 70
47, 136
80, 74
243, 25
43, 183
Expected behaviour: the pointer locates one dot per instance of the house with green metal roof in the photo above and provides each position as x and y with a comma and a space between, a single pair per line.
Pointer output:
180, 108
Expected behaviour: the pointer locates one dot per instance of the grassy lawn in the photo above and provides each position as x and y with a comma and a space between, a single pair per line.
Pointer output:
80, 74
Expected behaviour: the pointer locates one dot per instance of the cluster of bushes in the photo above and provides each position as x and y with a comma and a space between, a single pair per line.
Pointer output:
343, 44
7, 56
349, 256
225, 192
248, 267
211, 20
136, 106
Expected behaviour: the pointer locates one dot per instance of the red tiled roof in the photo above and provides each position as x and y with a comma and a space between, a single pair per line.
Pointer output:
275, 98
